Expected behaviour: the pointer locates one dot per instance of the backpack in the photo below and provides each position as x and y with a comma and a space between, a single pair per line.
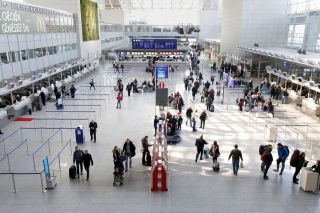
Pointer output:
287, 151
262, 148
264, 157
294, 157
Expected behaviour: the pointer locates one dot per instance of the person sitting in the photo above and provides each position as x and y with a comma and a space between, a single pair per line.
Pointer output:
316, 167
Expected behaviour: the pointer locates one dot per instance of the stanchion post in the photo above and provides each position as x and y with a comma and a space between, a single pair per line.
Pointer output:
49, 147
41, 135
34, 162
61, 135
9, 167
59, 162
21, 135
41, 180
70, 147
4, 147
13, 183
27, 146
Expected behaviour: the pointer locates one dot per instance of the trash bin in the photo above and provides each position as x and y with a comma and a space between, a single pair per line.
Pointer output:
272, 133
79, 135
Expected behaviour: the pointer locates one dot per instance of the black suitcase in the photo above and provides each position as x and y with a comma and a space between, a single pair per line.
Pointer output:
72, 172
211, 108
148, 163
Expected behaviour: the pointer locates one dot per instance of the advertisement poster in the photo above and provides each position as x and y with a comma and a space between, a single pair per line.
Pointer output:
162, 72
89, 17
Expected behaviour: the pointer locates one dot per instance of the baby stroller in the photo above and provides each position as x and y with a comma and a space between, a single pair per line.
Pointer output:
118, 171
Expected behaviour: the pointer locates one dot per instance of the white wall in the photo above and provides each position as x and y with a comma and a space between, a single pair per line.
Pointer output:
246, 22
112, 16
210, 24
264, 22
231, 25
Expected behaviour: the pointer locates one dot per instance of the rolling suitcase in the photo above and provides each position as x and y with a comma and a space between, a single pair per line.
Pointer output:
216, 166
72, 172
211, 108
148, 163
206, 153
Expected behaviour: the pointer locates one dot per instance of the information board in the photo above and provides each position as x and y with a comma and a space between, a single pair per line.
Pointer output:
154, 44
162, 72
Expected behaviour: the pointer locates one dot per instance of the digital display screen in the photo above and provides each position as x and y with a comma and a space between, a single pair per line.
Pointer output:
154, 44
162, 72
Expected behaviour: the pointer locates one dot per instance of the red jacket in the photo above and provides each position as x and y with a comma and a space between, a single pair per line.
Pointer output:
119, 98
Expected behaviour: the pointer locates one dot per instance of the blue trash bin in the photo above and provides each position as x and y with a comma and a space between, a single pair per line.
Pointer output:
79, 135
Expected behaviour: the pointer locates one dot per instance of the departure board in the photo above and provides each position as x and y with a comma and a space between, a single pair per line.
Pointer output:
154, 44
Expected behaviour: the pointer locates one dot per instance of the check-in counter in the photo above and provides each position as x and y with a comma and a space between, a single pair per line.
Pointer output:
21, 108
309, 180
3, 118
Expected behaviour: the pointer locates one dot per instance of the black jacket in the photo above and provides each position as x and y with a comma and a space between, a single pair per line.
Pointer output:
189, 113
87, 159
78, 156
93, 126
132, 149
200, 143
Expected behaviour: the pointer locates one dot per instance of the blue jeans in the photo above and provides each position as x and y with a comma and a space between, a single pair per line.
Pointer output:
128, 158
235, 165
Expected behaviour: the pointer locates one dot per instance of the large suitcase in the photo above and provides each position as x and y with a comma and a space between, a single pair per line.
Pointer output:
216, 166
211, 108
72, 172
206, 153
148, 163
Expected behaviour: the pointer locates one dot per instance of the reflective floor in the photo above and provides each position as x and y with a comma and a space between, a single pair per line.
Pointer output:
193, 187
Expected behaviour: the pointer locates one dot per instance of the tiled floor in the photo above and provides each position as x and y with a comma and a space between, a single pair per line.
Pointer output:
193, 187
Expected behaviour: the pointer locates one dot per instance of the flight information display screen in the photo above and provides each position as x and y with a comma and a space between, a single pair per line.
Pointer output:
154, 44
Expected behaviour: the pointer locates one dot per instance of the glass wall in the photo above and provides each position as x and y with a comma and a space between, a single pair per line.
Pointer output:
296, 35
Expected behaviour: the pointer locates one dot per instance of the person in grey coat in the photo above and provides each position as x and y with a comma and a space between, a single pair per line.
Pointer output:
236, 156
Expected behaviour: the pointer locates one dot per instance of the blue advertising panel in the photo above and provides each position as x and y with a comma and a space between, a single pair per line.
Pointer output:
154, 44
286, 64
46, 167
162, 72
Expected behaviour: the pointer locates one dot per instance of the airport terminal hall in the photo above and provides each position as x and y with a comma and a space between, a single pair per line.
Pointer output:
160, 106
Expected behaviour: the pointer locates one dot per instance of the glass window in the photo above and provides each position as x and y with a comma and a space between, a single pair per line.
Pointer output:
4, 58
296, 35
44, 51
38, 52
24, 55
318, 43
51, 50
31, 53
60, 48
55, 49
15, 57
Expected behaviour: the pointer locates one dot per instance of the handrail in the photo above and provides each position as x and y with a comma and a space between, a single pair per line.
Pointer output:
44, 143
57, 156
23, 142
2, 139
21, 173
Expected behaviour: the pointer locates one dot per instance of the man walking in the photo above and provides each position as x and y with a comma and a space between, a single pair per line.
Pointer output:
299, 163
155, 124
87, 160
267, 159
203, 118
145, 149
189, 115
236, 156
283, 153
129, 151
129, 88
92, 84
78, 160
200, 142
93, 130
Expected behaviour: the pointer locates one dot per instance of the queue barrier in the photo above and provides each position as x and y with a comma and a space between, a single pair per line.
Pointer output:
57, 157
159, 170
71, 111
58, 119
6, 156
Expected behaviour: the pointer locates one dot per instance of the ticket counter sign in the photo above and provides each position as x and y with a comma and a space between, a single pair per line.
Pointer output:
162, 72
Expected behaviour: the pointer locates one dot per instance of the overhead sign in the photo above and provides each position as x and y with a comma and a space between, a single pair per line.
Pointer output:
21, 22
154, 44
162, 72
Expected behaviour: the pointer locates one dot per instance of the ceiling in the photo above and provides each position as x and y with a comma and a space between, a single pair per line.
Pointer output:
163, 4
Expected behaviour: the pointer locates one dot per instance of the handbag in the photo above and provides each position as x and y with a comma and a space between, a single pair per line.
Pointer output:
241, 165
